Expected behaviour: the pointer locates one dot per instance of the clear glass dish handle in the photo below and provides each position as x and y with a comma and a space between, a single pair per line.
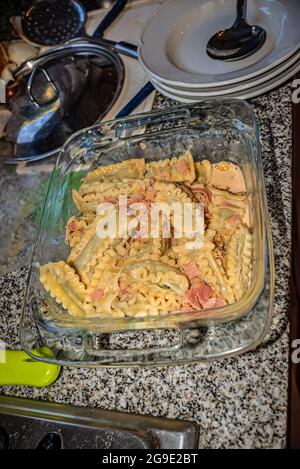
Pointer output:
132, 125
171, 349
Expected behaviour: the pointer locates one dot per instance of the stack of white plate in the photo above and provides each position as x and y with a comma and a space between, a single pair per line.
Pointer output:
172, 49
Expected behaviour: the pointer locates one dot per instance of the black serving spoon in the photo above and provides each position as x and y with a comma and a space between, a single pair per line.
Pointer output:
238, 41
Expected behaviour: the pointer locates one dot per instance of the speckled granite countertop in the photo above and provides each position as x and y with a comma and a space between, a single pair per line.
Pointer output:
238, 402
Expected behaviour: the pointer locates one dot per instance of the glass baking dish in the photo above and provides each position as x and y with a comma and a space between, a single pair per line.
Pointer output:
224, 130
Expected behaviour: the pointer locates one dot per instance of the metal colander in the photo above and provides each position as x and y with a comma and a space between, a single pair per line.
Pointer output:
51, 22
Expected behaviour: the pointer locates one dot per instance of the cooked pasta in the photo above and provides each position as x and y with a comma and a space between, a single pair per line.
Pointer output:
142, 271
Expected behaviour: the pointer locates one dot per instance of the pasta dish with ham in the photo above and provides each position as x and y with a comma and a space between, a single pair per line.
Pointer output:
136, 276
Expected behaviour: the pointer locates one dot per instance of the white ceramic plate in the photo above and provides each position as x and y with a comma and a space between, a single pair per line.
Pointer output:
229, 89
173, 43
250, 93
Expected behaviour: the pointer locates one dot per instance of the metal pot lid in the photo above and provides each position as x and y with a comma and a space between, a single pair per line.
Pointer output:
62, 91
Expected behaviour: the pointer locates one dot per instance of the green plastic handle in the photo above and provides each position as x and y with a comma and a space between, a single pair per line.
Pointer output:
18, 368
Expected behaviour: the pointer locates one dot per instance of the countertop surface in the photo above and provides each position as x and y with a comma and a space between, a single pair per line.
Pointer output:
238, 402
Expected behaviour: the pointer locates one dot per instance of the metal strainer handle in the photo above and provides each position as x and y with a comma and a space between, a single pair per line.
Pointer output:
30, 83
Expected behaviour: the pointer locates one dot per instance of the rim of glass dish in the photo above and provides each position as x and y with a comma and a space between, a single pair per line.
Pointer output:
165, 322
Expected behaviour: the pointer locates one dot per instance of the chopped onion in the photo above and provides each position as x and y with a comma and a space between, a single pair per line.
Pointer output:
5, 115
19, 52
7, 75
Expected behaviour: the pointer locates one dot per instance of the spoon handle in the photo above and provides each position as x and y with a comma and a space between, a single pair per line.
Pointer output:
17, 368
241, 7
